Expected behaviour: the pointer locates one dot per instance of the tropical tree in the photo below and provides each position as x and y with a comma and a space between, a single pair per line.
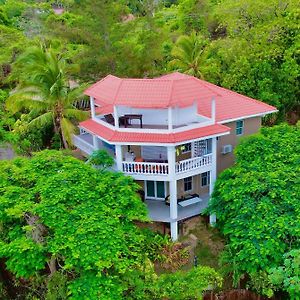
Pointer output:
257, 202
69, 231
44, 92
187, 54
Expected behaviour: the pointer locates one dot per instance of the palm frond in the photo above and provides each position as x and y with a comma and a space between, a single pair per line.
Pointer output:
76, 114
68, 129
42, 120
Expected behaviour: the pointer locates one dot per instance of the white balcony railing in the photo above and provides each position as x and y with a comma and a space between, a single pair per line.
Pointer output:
81, 142
145, 168
193, 163
154, 168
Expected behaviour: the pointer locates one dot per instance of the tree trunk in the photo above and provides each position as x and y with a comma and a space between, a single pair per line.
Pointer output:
52, 266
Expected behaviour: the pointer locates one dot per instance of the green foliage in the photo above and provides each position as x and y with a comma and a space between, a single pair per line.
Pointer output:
45, 94
287, 276
95, 233
188, 285
101, 159
187, 54
257, 201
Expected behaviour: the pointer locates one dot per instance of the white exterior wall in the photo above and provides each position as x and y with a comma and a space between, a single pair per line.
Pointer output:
180, 115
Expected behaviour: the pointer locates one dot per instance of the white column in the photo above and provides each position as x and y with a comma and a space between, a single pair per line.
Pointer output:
119, 157
116, 116
95, 142
213, 110
173, 193
173, 209
170, 119
92, 102
213, 176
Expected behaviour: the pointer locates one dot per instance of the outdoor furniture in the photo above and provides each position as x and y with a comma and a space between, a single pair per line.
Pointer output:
128, 118
185, 201
110, 119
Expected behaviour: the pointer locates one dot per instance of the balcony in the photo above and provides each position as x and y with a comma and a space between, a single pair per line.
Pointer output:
148, 163
84, 142
161, 169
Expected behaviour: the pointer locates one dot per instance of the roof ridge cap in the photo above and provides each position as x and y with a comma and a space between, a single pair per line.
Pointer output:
204, 83
117, 91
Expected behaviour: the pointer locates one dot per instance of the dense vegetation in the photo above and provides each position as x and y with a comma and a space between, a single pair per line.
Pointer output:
51, 240
68, 230
262, 190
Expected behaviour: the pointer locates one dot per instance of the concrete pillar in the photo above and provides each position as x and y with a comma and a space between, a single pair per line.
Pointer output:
119, 157
173, 192
213, 177
116, 116
93, 112
174, 231
96, 142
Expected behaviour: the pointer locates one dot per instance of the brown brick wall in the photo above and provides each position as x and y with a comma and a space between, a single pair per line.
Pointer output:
251, 125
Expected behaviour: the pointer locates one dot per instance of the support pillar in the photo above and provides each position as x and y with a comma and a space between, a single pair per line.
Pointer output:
173, 193
213, 176
119, 157
93, 112
116, 116
95, 142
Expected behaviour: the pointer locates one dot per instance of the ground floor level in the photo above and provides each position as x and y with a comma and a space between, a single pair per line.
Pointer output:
173, 202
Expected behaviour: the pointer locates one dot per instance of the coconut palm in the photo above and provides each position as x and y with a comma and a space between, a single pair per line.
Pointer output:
45, 94
187, 54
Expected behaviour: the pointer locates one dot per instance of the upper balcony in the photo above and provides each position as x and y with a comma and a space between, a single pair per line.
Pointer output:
130, 119
146, 162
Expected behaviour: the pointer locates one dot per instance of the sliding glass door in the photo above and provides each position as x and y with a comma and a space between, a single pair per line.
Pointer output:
155, 189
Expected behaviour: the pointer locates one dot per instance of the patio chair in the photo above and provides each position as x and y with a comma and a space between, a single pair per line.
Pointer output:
110, 119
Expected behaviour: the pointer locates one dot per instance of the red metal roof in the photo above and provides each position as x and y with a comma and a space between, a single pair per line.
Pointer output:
149, 93
137, 137
175, 89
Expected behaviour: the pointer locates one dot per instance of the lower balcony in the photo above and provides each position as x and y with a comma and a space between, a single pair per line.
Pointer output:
160, 212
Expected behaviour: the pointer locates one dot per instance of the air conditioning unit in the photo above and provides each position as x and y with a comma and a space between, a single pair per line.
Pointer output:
226, 149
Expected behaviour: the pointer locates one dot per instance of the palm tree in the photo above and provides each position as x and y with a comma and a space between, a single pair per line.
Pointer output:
45, 94
187, 54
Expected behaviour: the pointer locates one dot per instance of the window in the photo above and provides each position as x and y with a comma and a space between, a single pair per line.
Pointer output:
186, 148
188, 184
205, 178
239, 129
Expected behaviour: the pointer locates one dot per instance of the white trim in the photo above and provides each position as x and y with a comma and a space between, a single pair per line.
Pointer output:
248, 116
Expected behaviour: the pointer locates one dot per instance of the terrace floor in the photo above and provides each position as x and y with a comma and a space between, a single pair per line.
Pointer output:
160, 212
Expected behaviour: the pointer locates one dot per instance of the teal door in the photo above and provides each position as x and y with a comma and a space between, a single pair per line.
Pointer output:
155, 189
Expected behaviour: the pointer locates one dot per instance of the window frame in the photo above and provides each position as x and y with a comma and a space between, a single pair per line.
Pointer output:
205, 177
239, 127
190, 182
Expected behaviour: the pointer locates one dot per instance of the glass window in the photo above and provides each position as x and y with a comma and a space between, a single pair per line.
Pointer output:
205, 178
150, 189
188, 184
239, 129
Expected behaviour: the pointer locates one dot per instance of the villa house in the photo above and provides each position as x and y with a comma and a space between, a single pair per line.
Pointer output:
172, 134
